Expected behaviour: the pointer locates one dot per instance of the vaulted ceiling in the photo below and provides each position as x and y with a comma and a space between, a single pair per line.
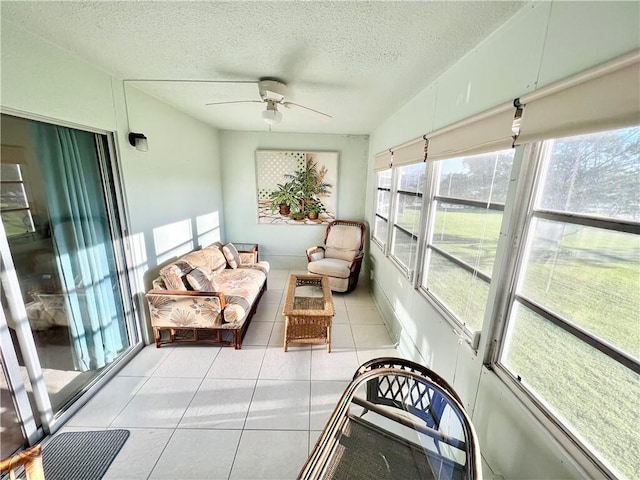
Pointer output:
357, 61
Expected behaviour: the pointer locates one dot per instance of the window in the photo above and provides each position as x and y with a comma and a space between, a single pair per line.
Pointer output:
564, 308
462, 238
16, 213
410, 181
572, 338
383, 205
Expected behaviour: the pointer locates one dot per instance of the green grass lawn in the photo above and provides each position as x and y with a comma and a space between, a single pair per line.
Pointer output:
596, 395
14, 224
588, 276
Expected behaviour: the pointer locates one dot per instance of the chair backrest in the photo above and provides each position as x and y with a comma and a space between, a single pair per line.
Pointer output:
344, 239
430, 406
31, 459
426, 395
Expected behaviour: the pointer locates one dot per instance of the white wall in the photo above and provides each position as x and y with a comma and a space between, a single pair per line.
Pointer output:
543, 43
173, 191
284, 245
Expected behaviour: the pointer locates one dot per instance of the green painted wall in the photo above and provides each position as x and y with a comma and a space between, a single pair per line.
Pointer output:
284, 245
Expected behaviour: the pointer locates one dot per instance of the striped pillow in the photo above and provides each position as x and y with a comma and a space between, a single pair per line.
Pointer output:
232, 256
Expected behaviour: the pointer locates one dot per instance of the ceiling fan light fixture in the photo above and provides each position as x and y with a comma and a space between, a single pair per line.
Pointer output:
271, 115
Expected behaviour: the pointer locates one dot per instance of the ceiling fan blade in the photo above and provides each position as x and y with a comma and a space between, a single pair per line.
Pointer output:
235, 101
323, 116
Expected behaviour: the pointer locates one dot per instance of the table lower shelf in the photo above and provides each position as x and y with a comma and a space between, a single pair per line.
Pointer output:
308, 329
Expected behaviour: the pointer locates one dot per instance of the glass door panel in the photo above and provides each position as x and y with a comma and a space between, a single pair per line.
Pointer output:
62, 240
10, 429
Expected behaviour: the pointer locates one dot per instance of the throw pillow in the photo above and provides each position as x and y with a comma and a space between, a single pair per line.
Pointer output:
172, 277
233, 313
316, 255
200, 281
231, 254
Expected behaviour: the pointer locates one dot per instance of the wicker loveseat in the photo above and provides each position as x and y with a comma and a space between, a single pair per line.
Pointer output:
208, 295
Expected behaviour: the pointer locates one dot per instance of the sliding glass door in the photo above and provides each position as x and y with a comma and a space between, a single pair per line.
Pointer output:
64, 289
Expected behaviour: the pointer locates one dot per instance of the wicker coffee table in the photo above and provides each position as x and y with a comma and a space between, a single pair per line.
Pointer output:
309, 310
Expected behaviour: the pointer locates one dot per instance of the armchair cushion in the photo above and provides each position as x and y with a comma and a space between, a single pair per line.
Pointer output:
332, 267
344, 242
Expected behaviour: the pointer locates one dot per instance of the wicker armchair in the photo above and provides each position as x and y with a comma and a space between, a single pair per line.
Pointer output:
396, 419
340, 258
30, 459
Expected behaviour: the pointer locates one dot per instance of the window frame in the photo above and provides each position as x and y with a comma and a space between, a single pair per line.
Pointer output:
376, 215
409, 271
432, 199
529, 168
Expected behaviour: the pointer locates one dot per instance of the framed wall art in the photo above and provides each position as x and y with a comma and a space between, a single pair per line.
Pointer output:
296, 187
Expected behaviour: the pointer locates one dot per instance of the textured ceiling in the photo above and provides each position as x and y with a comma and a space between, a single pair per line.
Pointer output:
358, 61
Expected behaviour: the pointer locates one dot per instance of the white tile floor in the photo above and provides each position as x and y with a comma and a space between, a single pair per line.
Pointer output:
203, 412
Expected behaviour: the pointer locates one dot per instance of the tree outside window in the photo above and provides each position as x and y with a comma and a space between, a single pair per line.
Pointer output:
16, 213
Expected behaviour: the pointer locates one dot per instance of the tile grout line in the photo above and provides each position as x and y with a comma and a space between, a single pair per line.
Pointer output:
194, 393
253, 394
155, 464
255, 387
128, 402
212, 362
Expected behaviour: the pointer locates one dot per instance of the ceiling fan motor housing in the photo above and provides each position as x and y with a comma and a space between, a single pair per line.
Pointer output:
272, 90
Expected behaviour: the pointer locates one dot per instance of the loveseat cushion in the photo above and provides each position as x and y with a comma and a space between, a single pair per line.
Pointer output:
231, 254
234, 313
247, 257
262, 266
209, 259
179, 310
244, 283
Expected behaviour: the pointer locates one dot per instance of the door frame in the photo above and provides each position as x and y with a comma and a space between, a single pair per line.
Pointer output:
111, 177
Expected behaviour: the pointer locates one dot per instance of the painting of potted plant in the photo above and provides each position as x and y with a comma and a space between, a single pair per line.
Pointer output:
298, 182
313, 209
310, 183
298, 216
285, 198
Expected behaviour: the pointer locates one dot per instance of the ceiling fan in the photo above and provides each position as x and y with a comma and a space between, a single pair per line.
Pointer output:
272, 92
